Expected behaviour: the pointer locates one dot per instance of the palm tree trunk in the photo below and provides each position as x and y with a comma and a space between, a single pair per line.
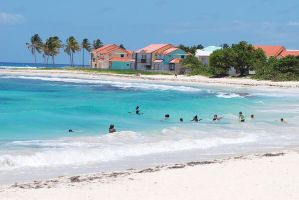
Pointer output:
83, 57
34, 56
53, 61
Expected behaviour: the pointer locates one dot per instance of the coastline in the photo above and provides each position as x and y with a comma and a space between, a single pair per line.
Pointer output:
258, 176
180, 79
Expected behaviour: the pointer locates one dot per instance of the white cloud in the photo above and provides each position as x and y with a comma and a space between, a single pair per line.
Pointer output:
9, 18
293, 24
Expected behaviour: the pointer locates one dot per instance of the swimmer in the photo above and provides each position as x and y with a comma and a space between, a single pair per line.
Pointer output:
137, 110
166, 116
112, 129
216, 118
71, 131
241, 117
283, 121
195, 119
181, 120
252, 116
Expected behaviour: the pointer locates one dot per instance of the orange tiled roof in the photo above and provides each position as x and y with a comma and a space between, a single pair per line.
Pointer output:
152, 48
168, 51
175, 60
289, 53
271, 51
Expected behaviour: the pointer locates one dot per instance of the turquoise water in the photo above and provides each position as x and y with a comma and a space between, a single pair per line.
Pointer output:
36, 113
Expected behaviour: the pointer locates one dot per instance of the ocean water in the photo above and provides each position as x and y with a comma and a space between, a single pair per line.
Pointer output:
11, 65
36, 113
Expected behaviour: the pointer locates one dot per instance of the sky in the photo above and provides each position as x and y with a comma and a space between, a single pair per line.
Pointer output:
137, 23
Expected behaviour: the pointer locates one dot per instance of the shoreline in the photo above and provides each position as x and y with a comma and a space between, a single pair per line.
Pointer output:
238, 169
181, 79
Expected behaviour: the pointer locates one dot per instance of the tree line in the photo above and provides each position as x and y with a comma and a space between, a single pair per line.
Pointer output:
243, 57
51, 47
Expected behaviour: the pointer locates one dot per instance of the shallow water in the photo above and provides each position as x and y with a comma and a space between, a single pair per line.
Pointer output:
36, 113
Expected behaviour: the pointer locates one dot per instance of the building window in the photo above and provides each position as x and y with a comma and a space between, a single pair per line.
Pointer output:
122, 55
171, 66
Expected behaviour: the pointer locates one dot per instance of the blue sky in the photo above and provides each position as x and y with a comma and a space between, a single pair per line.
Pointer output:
136, 23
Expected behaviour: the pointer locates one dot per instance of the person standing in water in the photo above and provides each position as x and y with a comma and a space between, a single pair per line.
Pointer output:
241, 117
181, 120
112, 129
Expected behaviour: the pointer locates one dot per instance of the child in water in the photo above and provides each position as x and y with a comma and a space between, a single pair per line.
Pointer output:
241, 117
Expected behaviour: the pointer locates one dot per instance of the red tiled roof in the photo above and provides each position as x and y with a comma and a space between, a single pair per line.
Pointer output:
168, 51
152, 48
289, 53
121, 59
175, 60
271, 51
109, 48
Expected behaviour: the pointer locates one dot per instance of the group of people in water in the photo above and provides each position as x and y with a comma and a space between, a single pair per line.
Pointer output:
195, 118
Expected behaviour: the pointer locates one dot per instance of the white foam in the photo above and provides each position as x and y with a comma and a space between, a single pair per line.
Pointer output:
228, 95
117, 84
112, 147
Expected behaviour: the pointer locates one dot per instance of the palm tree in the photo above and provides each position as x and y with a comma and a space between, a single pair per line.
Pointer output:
35, 45
71, 47
53, 45
97, 44
85, 46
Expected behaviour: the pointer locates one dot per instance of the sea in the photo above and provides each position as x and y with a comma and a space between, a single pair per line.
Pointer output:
36, 113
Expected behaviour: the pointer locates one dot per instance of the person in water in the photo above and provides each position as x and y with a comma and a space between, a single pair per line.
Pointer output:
71, 131
112, 129
282, 120
252, 116
166, 116
137, 110
195, 119
216, 118
181, 120
241, 117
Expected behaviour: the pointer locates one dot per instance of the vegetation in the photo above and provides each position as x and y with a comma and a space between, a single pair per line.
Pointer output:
51, 47
85, 47
196, 67
71, 47
283, 69
35, 45
242, 57
97, 44
191, 49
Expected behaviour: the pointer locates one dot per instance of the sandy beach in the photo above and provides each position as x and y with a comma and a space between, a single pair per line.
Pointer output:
180, 79
272, 176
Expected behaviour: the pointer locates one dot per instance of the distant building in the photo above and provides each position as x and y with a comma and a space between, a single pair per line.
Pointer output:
271, 51
160, 57
203, 55
112, 57
277, 51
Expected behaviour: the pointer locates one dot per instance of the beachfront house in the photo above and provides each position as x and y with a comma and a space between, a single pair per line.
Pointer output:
160, 57
112, 57
277, 51
203, 55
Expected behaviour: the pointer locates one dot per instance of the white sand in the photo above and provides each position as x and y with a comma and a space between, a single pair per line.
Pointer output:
246, 178
161, 78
